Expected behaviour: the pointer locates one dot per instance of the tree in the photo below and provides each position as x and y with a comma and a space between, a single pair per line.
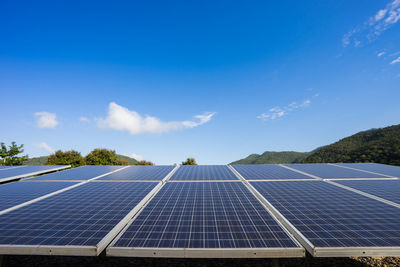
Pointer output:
9, 156
189, 161
144, 162
72, 157
102, 156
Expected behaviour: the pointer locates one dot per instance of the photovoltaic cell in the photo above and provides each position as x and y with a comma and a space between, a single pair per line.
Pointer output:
204, 215
203, 172
80, 173
140, 173
13, 194
26, 171
386, 189
81, 216
374, 167
330, 216
330, 171
259, 172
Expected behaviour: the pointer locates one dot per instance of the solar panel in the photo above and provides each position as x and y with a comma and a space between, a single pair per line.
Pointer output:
330, 171
334, 221
80, 221
386, 189
9, 167
374, 167
140, 173
203, 173
265, 172
206, 219
25, 171
80, 173
13, 194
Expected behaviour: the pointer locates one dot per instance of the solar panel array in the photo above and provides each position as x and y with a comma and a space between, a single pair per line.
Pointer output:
12, 173
204, 211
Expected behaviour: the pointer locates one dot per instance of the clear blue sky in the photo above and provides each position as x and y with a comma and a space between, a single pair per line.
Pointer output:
132, 76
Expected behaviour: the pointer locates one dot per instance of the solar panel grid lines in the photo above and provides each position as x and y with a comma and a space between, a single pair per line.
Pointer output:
366, 171
335, 222
394, 204
169, 175
142, 173
327, 171
10, 174
203, 173
383, 169
386, 189
268, 172
301, 172
192, 219
78, 222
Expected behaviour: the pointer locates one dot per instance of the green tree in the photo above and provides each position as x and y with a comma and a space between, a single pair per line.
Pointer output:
144, 162
189, 161
72, 157
102, 156
8, 156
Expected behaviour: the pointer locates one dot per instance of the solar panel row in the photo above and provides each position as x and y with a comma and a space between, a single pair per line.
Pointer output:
14, 173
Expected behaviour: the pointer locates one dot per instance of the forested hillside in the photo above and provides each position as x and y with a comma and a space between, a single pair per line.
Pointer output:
271, 157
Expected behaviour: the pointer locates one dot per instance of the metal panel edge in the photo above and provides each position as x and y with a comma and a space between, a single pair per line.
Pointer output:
357, 252
48, 250
301, 172
16, 177
350, 168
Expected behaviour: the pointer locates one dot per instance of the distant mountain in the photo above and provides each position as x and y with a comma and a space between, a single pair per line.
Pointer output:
375, 145
271, 157
43, 160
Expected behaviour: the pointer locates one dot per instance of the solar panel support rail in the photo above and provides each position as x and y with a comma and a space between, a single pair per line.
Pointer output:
350, 168
16, 177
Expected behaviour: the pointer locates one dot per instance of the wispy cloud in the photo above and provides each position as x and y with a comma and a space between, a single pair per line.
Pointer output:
134, 156
46, 147
381, 53
46, 120
397, 60
122, 119
278, 112
84, 119
371, 29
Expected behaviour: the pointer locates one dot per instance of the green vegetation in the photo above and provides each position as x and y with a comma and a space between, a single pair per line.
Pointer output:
102, 156
8, 156
144, 162
72, 157
376, 145
189, 161
271, 157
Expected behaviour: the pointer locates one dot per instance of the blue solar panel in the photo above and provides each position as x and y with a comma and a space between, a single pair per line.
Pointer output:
386, 189
80, 173
374, 167
81, 216
330, 171
140, 173
9, 167
203, 172
330, 216
13, 194
25, 171
204, 215
259, 172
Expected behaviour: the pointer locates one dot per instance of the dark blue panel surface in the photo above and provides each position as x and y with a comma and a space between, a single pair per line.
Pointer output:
330, 216
386, 189
140, 173
204, 215
258, 172
80, 173
81, 216
13, 194
26, 170
330, 171
204, 172
374, 167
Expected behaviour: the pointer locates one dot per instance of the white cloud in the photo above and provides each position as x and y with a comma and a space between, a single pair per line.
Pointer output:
46, 120
84, 119
122, 119
374, 26
381, 53
397, 60
46, 147
278, 112
134, 156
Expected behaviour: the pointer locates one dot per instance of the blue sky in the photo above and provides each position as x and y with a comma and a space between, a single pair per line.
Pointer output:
214, 80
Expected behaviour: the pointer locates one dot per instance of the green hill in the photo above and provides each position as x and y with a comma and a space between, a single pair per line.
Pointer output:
375, 145
43, 160
271, 157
